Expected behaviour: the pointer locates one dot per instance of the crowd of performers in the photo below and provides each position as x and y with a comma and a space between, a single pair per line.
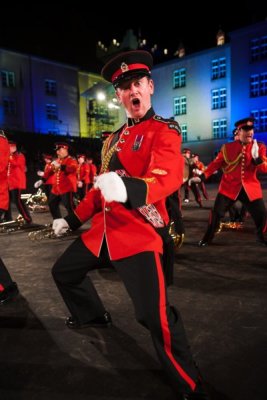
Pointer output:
66, 179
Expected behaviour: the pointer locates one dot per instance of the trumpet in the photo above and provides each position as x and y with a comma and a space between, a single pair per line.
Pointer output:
46, 233
12, 226
36, 202
230, 225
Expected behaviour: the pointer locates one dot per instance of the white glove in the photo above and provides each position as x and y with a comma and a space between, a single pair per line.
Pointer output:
60, 226
37, 184
40, 173
197, 171
80, 184
255, 149
55, 163
112, 187
196, 179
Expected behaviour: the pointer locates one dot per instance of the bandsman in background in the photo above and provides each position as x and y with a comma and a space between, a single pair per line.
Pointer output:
240, 161
8, 288
92, 172
64, 180
83, 171
47, 172
16, 183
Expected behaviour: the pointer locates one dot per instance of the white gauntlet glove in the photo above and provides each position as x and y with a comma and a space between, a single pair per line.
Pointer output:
197, 171
255, 149
111, 187
40, 173
37, 184
55, 163
79, 184
60, 226
195, 179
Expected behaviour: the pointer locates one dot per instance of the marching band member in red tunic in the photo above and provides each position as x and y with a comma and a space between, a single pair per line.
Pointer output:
4, 159
83, 171
141, 165
240, 161
49, 173
92, 172
64, 181
17, 182
8, 288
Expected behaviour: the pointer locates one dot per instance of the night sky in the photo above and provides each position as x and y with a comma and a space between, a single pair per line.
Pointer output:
69, 34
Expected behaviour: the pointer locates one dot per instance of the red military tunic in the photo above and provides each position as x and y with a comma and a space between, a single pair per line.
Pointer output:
239, 170
4, 159
64, 179
17, 171
150, 153
83, 172
49, 174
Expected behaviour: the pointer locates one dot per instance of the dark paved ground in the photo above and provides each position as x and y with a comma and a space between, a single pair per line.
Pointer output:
220, 291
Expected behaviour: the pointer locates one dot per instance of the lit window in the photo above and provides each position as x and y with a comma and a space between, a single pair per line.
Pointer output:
8, 79
50, 87
179, 78
219, 99
9, 106
218, 68
258, 48
179, 105
184, 132
260, 123
219, 128
51, 111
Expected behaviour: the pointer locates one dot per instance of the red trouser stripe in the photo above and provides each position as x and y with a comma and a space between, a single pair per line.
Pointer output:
165, 325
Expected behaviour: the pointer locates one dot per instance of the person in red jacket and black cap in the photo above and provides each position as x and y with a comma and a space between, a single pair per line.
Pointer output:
8, 288
17, 182
141, 166
64, 182
240, 161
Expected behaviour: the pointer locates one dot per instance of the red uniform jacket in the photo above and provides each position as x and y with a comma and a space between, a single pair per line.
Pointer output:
92, 173
150, 153
4, 159
17, 171
239, 170
49, 175
83, 172
64, 179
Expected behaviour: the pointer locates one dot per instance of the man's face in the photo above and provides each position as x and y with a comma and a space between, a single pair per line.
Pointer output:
12, 148
135, 96
246, 133
62, 152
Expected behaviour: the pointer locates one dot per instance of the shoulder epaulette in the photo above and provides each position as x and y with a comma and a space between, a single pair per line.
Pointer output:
172, 124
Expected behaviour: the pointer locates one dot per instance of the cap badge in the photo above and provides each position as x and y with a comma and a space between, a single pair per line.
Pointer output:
124, 67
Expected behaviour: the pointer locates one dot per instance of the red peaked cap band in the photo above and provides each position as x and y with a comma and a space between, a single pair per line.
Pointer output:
127, 65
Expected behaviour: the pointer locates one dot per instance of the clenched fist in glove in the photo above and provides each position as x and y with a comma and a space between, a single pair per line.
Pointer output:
40, 173
111, 187
55, 164
37, 184
60, 226
255, 149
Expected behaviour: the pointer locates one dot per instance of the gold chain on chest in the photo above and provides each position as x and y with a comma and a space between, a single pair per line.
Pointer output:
106, 153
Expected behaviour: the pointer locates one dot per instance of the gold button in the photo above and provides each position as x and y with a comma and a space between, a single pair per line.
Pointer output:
126, 132
107, 209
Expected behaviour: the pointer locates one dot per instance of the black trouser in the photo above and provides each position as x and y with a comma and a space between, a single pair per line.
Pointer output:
54, 201
5, 278
143, 278
223, 203
15, 197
